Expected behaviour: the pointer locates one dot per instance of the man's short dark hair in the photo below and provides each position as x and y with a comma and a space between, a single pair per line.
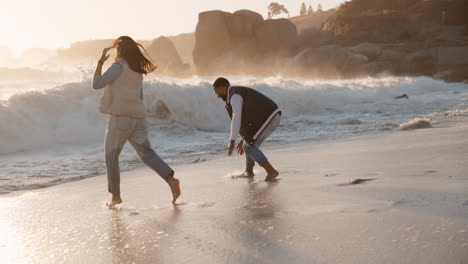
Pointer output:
221, 82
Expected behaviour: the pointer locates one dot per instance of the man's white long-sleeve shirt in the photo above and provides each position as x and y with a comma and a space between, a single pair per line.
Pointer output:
236, 102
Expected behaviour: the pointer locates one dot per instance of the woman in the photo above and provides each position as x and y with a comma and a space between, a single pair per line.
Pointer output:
123, 102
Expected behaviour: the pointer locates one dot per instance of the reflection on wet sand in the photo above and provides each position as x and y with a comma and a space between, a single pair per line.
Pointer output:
142, 241
264, 232
120, 238
260, 202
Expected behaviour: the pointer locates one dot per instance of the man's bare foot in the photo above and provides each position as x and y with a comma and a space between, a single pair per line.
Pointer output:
248, 172
174, 184
272, 176
271, 172
116, 199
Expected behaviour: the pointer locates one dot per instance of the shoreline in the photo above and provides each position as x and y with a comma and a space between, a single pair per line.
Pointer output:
462, 121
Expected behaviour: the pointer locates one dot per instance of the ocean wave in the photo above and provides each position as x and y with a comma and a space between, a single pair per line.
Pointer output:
68, 114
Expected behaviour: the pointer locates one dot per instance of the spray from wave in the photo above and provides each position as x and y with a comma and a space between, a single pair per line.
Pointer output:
68, 114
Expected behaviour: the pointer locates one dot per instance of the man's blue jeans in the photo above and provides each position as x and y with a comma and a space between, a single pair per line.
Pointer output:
252, 152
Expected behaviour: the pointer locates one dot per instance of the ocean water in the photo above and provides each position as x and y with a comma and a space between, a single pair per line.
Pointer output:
52, 132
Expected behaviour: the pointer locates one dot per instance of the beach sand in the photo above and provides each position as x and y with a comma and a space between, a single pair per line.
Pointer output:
413, 208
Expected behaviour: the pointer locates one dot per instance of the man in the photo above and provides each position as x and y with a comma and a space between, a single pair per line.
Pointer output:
254, 116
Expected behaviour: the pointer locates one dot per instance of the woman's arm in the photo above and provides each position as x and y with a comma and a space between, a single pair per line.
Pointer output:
104, 57
100, 81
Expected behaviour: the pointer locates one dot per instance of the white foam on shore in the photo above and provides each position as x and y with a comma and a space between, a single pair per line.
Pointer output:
458, 112
416, 123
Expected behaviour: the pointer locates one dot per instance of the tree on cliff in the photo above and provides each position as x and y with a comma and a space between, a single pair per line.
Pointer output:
310, 10
319, 8
276, 9
303, 11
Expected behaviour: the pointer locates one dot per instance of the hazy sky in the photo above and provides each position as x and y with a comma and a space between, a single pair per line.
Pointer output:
57, 23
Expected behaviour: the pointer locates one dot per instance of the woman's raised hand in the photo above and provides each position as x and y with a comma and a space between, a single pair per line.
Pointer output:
104, 55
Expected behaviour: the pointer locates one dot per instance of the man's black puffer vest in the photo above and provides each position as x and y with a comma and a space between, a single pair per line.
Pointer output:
256, 109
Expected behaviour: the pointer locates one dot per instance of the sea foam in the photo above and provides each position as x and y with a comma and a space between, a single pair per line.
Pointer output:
68, 114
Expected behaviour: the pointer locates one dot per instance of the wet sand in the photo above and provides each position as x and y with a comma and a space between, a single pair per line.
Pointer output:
395, 198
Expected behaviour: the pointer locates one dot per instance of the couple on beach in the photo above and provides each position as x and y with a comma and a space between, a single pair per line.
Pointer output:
253, 115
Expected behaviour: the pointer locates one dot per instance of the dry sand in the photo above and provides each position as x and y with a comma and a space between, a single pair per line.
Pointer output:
412, 209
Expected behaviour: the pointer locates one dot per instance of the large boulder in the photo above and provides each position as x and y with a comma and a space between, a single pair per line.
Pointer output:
165, 55
213, 40
240, 42
243, 24
329, 61
452, 63
391, 55
242, 27
420, 63
276, 36
370, 50
377, 67
312, 38
184, 44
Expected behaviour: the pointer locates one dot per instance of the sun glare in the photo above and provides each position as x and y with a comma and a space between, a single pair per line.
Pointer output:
17, 51
17, 46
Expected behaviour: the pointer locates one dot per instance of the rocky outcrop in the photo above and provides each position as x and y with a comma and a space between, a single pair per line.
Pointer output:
329, 61
398, 37
166, 57
315, 38
276, 36
452, 63
361, 38
184, 44
164, 51
314, 20
394, 21
212, 40
371, 50
420, 63
243, 25
240, 41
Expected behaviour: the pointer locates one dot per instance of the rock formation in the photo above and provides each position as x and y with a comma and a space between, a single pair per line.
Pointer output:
237, 42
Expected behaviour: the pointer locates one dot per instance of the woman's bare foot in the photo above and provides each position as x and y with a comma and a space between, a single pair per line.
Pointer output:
174, 184
116, 199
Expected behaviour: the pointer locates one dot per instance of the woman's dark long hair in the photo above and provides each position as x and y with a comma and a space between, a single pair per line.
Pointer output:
129, 50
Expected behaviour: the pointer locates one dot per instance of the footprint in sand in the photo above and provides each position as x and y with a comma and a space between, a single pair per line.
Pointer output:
239, 176
207, 204
404, 202
376, 210
290, 172
201, 204
198, 160
259, 181
355, 181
